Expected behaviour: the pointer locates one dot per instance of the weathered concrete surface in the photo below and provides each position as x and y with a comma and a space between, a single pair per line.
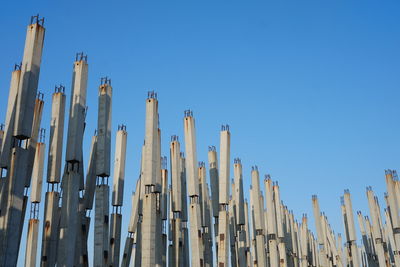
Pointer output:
50, 229
101, 226
12, 207
69, 219
31, 243
56, 137
115, 239
104, 131
119, 168
77, 111
28, 85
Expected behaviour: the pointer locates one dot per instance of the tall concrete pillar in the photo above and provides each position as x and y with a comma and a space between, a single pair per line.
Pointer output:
350, 229
258, 209
223, 217
36, 194
240, 213
71, 182
6, 144
32, 142
22, 111
150, 228
117, 195
320, 237
196, 241
214, 182
56, 135
376, 230
394, 212
28, 85
271, 223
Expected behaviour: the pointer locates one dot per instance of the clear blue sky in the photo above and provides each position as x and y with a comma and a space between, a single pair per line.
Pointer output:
310, 89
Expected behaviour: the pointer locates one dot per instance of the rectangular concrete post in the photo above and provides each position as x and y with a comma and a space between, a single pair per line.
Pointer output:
56, 136
115, 238
69, 219
50, 226
31, 243
12, 207
101, 226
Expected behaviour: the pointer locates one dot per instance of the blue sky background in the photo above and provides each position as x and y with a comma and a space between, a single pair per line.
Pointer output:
310, 89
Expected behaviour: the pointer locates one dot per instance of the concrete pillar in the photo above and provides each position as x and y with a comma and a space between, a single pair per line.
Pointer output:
193, 191
90, 185
77, 109
350, 228
119, 166
271, 223
56, 135
68, 219
126, 257
31, 243
12, 207
149, 225
377, 234
101, 226
223, 217
50, 229
394, 212
318, 226
304, 242
214, 182
32, 142
28, 85
10, 118
104, 129
115, 238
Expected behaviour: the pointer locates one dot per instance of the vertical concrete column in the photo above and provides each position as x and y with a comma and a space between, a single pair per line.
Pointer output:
30, 69
151, 239
394, 212
240, 213
104, 129
258, 207
13, 206
56, 135
119, 166
72, 180
32, 141
101, 226
214, 182
90, 185
126, 257
117, 195
272, 227
50, 226
350, 228
115, 238
304, 242
279, 224
37, 173
69, 219
76, 122
22, 112
318, 226
193, 190
247, 232
164, 208
10, 118
223, 217
376, 230
31, 242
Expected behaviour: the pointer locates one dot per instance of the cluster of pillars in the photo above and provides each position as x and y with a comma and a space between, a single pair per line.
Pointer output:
184, 212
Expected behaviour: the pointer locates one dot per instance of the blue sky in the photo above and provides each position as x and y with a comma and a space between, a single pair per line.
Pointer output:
310, 89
